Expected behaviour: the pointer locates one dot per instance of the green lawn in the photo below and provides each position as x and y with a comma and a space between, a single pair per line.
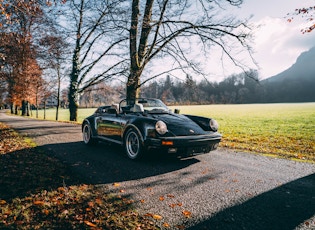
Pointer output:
286, 130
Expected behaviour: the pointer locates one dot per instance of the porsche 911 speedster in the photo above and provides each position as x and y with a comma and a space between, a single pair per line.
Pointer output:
146, 124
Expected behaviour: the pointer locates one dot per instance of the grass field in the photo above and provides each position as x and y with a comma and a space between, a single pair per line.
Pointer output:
284, 130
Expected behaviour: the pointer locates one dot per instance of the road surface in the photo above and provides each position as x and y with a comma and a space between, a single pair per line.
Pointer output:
220, 190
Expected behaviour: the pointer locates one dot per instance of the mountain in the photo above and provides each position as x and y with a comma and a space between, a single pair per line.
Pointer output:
296, 84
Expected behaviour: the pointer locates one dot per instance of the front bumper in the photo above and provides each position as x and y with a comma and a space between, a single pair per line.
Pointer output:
185, 145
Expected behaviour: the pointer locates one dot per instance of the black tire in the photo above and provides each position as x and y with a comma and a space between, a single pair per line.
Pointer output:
87, 135
133, 144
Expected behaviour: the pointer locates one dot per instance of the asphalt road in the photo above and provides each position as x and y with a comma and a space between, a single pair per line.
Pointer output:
219, 190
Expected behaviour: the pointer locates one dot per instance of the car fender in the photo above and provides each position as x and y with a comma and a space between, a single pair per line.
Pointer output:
203, 122
92, 125
129, 126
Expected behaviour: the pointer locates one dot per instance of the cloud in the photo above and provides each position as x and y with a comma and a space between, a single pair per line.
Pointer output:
278, 43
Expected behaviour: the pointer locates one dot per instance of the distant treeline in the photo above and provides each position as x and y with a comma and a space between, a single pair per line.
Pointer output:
237, 89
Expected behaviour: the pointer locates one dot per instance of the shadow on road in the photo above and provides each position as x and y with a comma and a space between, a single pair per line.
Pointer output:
107, 163
28, 171
51, 166
284, 207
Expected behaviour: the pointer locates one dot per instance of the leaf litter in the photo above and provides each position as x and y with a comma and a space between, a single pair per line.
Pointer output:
34, 195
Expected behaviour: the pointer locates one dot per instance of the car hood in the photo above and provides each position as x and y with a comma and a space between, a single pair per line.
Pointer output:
179, 125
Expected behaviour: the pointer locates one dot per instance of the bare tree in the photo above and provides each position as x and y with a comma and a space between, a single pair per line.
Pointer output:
169, 29
53, 50
96, 39
155, 29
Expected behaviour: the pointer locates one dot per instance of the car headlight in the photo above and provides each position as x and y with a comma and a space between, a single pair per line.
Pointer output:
161, 127
214, 125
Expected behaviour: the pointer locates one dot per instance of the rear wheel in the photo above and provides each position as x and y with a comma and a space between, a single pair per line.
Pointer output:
87, 135
133, 145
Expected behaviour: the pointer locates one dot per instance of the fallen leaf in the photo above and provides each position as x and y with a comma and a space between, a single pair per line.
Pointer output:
166, 225
148, 214
186, 213
91, 203
157, 217
170, 196
173, 205
83, 187
61, 189
98, 201
46, 211
142, 201
127, 201
38, 202
2, 202
88, 223
116, 184
161, 198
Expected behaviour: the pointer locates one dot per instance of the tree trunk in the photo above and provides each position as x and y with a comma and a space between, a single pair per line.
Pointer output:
73, 102
134, 77
28, 108
24, 107
12, 108
45, 109
74, 76
133, 86
58, 93
36, 101
73, 89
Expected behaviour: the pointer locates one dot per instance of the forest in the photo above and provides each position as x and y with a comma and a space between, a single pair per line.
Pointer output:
243, 88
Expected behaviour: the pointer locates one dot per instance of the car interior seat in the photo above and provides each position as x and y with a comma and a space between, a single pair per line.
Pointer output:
137, 108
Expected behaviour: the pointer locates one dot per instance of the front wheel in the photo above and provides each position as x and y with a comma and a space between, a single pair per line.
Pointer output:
87, 135
133, 145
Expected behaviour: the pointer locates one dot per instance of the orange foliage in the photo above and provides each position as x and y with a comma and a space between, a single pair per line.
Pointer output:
306, 13
19, 68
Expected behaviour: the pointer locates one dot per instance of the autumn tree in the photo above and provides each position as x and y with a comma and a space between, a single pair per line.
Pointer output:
19, 69
19, 64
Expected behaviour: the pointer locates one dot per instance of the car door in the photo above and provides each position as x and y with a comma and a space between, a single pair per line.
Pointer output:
109, 125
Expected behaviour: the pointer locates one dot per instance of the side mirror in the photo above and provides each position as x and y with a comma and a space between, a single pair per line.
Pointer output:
177, 111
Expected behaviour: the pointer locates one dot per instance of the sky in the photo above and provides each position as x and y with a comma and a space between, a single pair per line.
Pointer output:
277, 43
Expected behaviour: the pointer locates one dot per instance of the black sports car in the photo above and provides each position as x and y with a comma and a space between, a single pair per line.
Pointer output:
147, 124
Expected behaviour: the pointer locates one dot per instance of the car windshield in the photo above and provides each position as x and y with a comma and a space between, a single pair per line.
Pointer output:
144, 105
